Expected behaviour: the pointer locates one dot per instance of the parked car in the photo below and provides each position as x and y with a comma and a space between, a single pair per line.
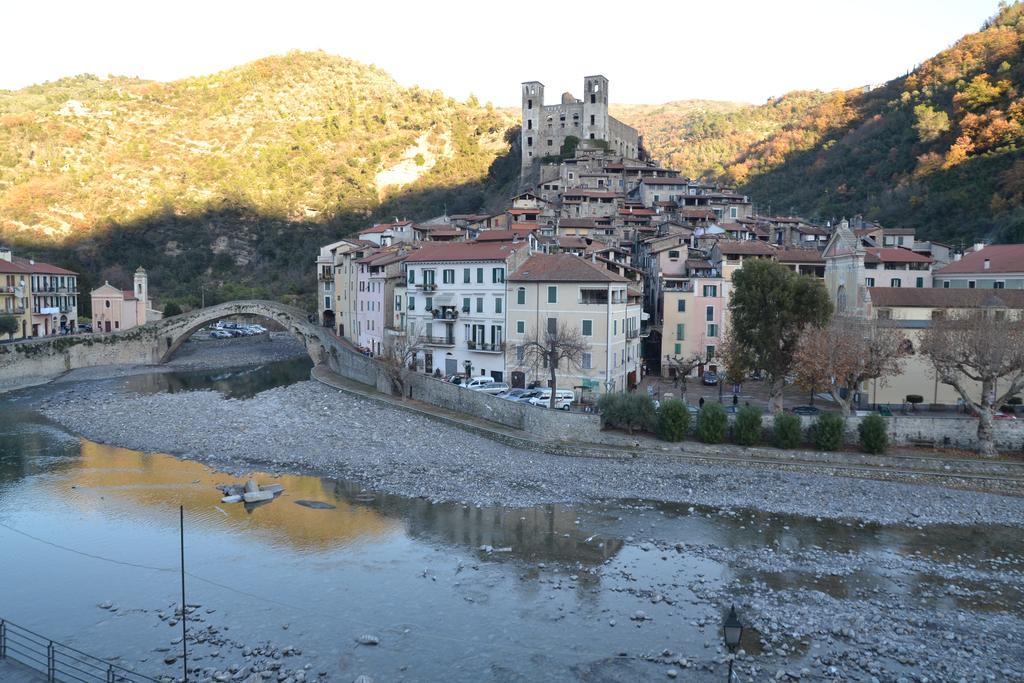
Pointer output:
493, 388
1005, 416
709, 379
516, 394
478, 382
454, 379
220, 334
84, 328
563, 398
805, 410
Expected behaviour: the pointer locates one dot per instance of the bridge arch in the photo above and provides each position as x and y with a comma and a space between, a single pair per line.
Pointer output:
172, 332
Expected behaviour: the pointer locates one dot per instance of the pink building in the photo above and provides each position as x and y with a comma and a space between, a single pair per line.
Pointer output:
378, 274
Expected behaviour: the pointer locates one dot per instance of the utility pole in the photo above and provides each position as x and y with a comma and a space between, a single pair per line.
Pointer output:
184, 607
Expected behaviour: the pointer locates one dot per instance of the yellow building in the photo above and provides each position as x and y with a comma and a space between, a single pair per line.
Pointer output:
911, 311
42, 298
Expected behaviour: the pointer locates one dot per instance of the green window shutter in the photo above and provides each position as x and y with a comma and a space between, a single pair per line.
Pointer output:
680, 331
588, 328
679, 349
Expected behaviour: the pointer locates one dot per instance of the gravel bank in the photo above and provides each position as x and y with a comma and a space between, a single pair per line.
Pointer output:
310, 428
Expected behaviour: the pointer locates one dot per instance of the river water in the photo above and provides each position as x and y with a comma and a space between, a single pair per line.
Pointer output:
452, 592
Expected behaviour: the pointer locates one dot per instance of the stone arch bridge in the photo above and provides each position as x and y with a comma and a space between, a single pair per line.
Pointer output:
37, 361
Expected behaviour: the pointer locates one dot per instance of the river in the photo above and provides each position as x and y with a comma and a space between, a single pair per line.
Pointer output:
456, 592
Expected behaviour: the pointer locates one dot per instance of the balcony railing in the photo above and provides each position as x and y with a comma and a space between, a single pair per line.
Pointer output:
685, 287
325, 277
484, 346
632, 334
439, 341
445, 314
427, 286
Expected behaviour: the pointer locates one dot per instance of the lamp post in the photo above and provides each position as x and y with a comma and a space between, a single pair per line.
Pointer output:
732, 630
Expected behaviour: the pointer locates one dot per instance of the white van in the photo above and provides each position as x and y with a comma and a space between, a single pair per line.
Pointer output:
478, 382
563, 398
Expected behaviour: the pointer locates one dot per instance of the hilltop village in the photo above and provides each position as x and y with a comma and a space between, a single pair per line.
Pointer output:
607, 245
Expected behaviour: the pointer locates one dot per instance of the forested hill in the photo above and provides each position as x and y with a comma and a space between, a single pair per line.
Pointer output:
227, 176
938, 149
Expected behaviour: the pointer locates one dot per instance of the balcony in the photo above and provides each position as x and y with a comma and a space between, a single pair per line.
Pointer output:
439, 341
484, 346
445, 313
632, 334
681, 287
427, 286
325, 277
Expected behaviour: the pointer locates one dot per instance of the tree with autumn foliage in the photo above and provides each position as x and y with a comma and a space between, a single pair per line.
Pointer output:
840, 356
979, 350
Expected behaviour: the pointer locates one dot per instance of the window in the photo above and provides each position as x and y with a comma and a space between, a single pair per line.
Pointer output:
869, 281
587, 363
107, 303
733, 212
593, 100
615, 327
529, 141
117, 325
970, 284
550, 142
412, 303
895, 282
681, 305
465, 304
885, 314
529, 124
448, 276
945, 284
398, 303
520, 327
999, 284
680, 331
588, 328
709, 313
712, 330
592, 119
327, 301
710, 352
552, 325
520, 354
430, 303
465, 275
673, 255
521, 296
710, 290
480, 275
919, 282
497, 304
679, 349
497, 275
553, 294
479, 304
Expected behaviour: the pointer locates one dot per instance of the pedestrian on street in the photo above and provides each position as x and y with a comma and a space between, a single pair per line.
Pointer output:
701, 401
735, 400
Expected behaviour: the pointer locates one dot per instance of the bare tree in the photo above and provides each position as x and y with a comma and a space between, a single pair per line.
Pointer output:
983, 348
550, 349
399, 357
845, 353
683, 365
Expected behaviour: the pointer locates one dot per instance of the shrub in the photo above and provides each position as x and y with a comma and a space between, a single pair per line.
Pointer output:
628, 411
8, 325
874, 435
787, 430
171, 309
827, 432
712, 423
673, 420
748, 426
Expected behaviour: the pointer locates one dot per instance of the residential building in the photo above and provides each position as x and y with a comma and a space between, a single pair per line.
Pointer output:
377, 277
43, 298
386, 234
116, 310
694, 317
993, 266
456, 303
896, 267
552, 290
912, 311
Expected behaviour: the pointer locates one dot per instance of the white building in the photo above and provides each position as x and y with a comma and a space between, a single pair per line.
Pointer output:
456, 302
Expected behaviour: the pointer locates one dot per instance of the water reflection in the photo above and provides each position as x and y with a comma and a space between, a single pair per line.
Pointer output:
243, 382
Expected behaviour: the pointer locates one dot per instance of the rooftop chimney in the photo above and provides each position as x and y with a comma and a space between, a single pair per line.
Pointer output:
988, 263
5, 253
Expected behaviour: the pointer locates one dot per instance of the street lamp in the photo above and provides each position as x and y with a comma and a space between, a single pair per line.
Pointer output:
732, 630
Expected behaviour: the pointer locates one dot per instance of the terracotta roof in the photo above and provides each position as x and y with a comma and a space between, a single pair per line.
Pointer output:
636, 212
571, 243
519, 233
745, 247
697, 213
812, 230
446, 232
464, 251
383, 227
520, 212
562, 268
577, 223
799, 256
894, 255
664, 181
932, 297
1002, 258
697, 263
129, 295
24, 265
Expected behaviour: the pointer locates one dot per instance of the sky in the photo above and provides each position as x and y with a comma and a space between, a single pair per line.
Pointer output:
651, 52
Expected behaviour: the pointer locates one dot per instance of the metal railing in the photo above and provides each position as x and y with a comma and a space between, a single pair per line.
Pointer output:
60, 662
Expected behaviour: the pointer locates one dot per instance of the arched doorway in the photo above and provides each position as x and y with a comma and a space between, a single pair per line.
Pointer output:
328, 319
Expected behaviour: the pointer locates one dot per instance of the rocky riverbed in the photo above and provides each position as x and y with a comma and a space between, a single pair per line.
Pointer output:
310, 428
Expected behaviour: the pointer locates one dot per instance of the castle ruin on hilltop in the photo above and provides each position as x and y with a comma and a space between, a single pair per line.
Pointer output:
545, 128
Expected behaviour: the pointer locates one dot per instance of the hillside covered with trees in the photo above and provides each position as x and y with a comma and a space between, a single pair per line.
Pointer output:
233, 179
938, 149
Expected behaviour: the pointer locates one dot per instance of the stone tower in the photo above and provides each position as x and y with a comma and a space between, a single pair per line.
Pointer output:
595, 108
141, 285
533, 104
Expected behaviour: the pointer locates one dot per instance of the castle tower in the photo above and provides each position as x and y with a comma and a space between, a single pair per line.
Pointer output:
595, 108
533, 103
141, 285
